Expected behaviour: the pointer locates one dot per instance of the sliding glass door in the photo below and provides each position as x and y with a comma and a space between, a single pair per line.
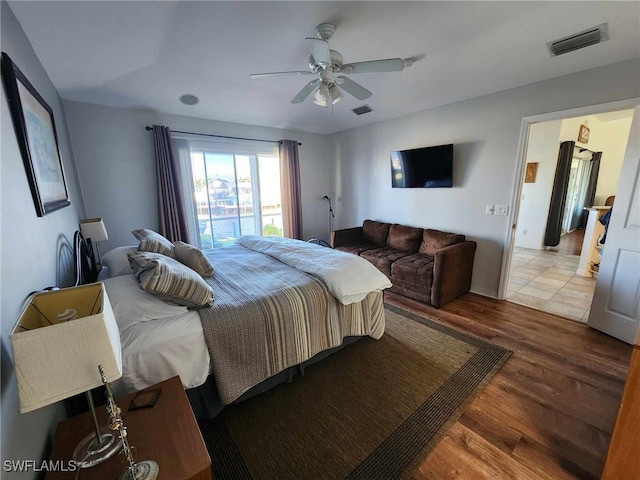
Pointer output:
236, 192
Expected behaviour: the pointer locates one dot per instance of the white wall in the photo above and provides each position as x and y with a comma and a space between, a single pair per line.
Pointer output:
610, 138
612, 158
115, 160
535, 198
32, 248
485, 132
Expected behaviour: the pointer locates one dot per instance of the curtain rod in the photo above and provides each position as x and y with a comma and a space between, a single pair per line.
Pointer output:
222, 136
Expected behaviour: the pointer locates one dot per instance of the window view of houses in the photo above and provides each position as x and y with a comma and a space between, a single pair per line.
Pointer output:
236, 195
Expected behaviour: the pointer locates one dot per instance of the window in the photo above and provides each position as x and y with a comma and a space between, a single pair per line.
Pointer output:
236, 191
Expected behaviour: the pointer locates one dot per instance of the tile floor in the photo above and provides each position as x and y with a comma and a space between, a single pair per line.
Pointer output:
547, 281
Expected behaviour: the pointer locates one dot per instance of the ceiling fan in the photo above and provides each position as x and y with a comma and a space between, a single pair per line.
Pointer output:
327, 63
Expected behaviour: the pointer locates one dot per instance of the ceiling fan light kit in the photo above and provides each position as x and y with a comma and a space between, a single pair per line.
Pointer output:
336, 94
326, 95
322, 96
326, 63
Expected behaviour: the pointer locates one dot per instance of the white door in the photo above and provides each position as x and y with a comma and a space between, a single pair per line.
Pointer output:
615, 309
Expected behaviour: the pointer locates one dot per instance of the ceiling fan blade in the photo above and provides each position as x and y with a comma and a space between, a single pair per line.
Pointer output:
320, 50
306, 91
354, 88
279, 74
374, 66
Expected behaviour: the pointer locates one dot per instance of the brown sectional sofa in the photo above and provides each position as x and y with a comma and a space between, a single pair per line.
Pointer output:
427, 265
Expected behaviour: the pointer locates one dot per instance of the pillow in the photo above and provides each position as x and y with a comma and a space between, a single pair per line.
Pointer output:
375, 232
133, 305
193, 258
170, 280
117, 262
151, 241
402, 237
433, 240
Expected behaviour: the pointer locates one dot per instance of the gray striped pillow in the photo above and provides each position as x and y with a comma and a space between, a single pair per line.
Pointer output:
170, 280
151, 241
193, 258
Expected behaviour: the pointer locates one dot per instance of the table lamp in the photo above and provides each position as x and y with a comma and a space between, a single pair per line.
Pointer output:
93, 230
58, 342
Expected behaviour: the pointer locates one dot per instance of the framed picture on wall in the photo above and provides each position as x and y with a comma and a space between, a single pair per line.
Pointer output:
531, 172
37, 139
583, 134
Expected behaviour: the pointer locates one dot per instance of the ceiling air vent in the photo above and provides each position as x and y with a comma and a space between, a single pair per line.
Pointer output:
362, 110
579, 40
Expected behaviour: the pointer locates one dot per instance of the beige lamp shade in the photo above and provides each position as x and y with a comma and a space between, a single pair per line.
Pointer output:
58, 342
94, 229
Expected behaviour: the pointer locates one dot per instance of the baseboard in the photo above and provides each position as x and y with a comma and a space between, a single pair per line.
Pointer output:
484, 293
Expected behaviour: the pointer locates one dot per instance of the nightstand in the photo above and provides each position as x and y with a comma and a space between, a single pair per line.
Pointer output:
167, 433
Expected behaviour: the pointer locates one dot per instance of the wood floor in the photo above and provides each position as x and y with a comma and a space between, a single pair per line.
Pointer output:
570, 244
550, 410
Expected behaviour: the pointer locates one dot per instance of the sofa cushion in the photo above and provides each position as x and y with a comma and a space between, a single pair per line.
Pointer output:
404, 238
433, 240
407, 289
383, 257
416, 269
357, 247
375, 232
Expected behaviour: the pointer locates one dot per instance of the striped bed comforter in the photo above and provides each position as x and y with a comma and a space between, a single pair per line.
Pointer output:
268, 316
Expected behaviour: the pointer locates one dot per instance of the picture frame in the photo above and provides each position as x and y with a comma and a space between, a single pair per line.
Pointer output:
531, 172
583, 134
37, 139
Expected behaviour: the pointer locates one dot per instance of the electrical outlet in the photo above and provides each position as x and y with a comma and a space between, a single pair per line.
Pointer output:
525, 231
489, 210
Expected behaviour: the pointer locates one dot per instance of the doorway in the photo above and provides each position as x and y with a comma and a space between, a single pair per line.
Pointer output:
548, 278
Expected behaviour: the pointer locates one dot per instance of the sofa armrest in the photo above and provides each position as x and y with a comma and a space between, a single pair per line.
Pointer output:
346, 236
452, 269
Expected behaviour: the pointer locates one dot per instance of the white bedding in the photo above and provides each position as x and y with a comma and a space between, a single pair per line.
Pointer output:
348, 277
161, 345
155, 351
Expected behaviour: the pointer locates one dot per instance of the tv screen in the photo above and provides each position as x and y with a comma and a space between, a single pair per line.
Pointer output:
428, 167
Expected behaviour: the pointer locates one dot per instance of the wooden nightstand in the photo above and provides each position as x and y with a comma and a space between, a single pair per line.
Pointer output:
167, 433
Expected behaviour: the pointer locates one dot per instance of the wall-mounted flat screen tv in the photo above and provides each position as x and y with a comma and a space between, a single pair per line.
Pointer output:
428, 167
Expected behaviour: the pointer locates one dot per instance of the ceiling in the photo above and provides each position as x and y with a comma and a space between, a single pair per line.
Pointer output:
147, 54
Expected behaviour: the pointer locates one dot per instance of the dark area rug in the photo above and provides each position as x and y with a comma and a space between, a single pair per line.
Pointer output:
373, 410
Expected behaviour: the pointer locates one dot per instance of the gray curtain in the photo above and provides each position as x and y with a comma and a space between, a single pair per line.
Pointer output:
290, 189
171, 211
559, 195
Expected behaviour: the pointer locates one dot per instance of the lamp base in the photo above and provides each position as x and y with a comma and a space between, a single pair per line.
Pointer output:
90, 451
145, 470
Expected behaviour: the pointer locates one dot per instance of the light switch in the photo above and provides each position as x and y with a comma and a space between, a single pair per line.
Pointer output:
489, 210
501, 210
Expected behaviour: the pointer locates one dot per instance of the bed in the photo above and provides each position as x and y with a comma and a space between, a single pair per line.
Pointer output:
278, 306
